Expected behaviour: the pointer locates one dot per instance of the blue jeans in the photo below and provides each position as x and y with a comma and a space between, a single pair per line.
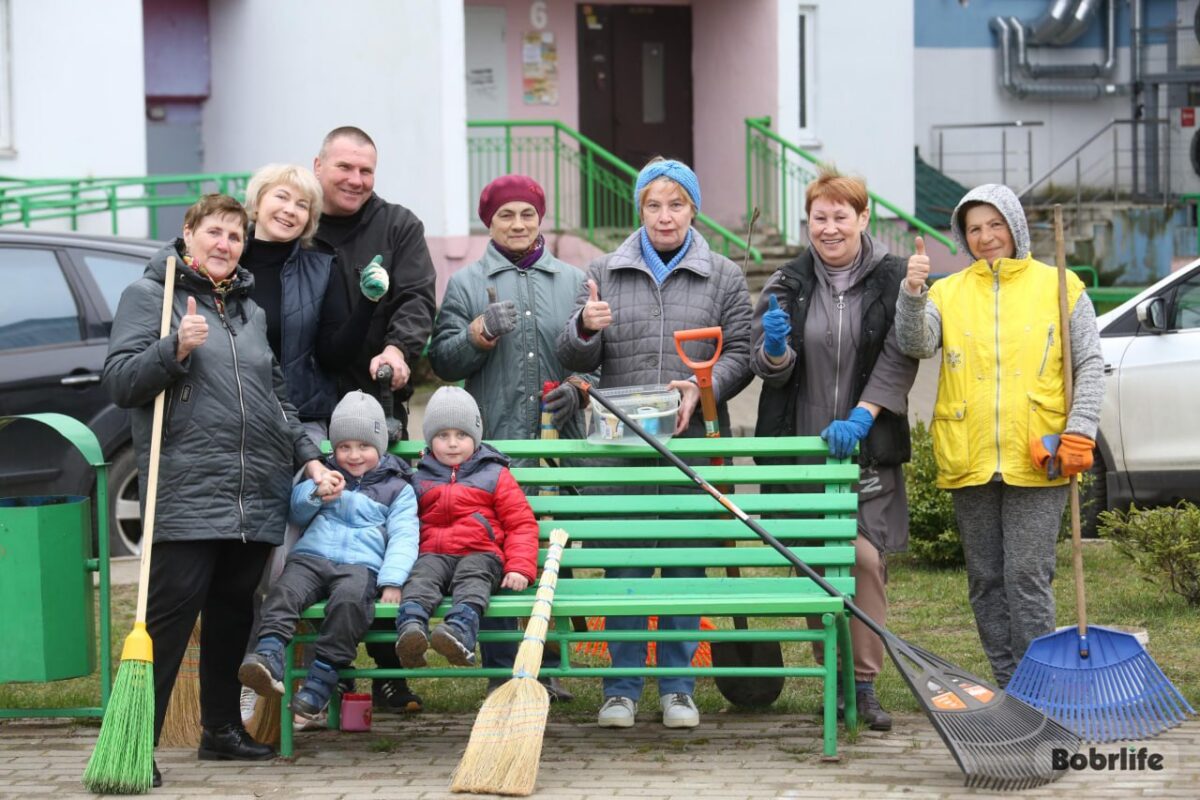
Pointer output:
633, 654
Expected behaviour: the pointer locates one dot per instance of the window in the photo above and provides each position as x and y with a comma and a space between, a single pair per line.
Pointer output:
36, 308
6, 129
654, 72
112, 274
1186, 314
805, 70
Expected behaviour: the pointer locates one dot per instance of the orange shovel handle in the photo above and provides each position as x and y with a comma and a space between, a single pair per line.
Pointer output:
703, 369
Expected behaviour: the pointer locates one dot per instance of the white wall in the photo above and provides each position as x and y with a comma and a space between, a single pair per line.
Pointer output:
863, 114
78, 105
285, 73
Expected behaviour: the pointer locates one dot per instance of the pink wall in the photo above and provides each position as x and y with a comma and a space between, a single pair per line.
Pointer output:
734, 76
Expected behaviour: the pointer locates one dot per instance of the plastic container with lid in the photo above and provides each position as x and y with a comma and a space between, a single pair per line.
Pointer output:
652, 407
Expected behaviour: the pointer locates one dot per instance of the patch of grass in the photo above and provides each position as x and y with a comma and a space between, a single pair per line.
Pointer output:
928, 607
383, 745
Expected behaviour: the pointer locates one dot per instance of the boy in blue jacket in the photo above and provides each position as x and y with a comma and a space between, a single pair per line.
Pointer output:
360, 536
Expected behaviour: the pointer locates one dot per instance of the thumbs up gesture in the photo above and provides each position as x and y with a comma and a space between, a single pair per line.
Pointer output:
918, 268
596, 314
193, 331
777, 326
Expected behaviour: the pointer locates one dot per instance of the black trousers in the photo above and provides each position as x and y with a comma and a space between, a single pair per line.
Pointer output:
467, 579
216, 578
350, 589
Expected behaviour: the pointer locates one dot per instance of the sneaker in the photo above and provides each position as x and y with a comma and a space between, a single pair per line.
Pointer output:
679, 711
393, 694
871, 713
411, 645
617, 712
317, 723
262, 670
451, 641
313, 697
247, 703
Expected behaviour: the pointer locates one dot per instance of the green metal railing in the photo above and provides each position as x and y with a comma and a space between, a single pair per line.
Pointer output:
777, 172
589, 190
23, 202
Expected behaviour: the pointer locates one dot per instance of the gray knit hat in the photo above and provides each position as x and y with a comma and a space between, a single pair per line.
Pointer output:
360, 417
452, 407
1004, 200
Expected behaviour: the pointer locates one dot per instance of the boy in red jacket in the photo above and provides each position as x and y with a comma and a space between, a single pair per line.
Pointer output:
478, 533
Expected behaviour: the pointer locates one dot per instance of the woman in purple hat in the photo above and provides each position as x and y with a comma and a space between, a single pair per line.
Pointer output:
503, 348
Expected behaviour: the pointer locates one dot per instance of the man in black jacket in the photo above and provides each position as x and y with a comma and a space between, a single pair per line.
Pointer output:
385, 286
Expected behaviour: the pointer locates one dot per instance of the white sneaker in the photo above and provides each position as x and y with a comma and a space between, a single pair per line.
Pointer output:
249, 700
679, 711
617, 712
318, 723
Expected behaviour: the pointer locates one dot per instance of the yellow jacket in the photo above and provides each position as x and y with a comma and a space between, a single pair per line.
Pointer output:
1001, 381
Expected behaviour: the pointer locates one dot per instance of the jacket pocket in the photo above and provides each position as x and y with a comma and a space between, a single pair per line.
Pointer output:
487, 526
180, 403
951, 439
1047, 414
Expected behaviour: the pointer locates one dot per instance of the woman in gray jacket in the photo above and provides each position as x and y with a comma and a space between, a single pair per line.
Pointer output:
662, 279
230, 442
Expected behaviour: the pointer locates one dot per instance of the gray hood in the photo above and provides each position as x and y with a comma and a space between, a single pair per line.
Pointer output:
1004, 200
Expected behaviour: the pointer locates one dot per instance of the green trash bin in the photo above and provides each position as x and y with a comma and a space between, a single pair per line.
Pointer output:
48, 622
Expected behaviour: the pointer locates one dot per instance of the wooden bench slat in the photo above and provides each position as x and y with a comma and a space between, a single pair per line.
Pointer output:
596, 557
672, 476
691, 504
740, 447
714, 529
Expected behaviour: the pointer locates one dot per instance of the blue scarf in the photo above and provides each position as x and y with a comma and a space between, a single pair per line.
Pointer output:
658, 269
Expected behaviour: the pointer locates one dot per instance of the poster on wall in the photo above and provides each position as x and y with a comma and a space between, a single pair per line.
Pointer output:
539, 73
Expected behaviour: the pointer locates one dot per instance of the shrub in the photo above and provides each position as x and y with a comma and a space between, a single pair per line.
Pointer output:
932, 530
1164, 544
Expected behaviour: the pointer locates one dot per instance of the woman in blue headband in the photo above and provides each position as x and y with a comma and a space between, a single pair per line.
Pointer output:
663, 278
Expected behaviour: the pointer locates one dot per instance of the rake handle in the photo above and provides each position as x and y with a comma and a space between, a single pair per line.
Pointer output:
1064, 328
164, 330
730, 506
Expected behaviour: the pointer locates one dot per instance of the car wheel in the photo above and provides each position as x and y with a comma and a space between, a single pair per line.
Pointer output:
1093, 497
125, 514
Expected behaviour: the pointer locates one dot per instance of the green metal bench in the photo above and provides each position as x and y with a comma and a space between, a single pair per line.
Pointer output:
820, 527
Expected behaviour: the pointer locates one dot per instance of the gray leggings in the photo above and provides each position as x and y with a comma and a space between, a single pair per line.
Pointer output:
1008, 535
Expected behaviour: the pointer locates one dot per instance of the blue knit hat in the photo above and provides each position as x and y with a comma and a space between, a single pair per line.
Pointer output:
675, 170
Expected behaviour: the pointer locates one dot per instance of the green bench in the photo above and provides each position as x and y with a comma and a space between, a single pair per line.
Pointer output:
606, 531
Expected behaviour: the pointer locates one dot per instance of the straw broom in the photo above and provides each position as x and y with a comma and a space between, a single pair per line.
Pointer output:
505, 748
181, 727
123, 760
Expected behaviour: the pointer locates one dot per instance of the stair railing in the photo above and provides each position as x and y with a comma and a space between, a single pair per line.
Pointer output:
777, 172
589, 190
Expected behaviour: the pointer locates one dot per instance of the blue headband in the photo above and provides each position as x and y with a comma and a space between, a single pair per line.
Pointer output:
675, 170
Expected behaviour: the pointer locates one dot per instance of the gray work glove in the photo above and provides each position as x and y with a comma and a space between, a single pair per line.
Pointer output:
499, 318
563, 403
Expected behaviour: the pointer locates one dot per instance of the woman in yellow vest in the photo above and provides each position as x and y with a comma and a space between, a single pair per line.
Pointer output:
1003, 438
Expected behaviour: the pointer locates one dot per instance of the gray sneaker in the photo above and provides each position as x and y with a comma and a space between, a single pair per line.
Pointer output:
679, 711
617, 712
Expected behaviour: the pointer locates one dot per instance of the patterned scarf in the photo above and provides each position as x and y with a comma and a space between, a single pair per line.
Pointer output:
658, 269
220, 287
525, 259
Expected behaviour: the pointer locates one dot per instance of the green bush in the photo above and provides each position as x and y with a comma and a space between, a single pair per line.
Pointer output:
1164, 544
932, 530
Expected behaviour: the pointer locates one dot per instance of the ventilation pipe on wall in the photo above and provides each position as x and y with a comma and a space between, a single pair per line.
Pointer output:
1077, 21
1050, 26
1042, 90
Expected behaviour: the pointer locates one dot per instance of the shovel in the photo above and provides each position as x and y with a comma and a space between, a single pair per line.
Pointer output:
748, 692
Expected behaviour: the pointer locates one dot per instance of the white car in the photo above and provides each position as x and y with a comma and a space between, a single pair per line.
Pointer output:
1149, 443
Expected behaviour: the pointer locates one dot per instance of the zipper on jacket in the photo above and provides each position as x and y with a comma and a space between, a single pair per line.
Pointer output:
1046, 352
837, 370
996, 319
237, 374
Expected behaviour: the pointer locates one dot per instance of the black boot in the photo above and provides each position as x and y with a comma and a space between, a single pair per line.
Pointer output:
157, 782
232, 743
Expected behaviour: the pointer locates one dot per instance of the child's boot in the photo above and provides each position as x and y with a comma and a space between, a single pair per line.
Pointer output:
318, 687
455, 637
412, 635
262, 670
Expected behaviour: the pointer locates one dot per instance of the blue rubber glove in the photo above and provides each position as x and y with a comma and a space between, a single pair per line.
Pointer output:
776, 328
843, 434
1044, 453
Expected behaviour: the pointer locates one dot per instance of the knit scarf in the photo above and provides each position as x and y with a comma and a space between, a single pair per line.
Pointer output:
658, 269
220, 287
525, 259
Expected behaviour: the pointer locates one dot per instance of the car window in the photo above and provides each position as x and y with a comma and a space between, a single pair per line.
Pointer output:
113, 273
36, 304
1186, 314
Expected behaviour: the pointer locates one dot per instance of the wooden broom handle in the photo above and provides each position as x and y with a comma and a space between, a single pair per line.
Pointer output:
164, 330
1064, 332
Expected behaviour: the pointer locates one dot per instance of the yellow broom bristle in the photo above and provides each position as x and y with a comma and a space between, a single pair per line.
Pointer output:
264, 725
504, 751
181, 726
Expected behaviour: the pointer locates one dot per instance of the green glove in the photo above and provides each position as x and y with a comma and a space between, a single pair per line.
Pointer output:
373, 282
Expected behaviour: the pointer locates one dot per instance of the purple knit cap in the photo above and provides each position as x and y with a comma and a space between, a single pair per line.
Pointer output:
506, 189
